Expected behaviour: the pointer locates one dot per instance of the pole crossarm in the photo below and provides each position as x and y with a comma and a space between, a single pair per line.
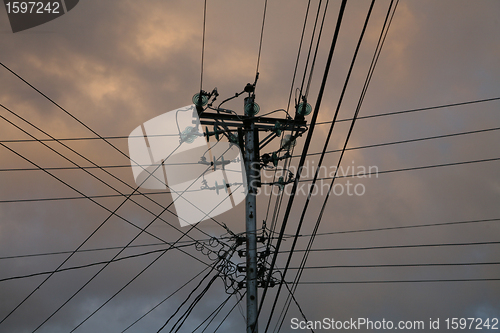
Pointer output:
210, 118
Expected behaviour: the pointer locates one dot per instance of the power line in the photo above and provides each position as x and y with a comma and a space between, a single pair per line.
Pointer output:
397, 281
92, 264
135, 277
195, 301
112, 213
293, 156
214, 314
82, 197
403, 227
165, 299
224, 319
399, 265
416, 110
364, 248
95, 133
285, 236
304, 151
318, 123
203, 44
371, 70
127, 284
327, 140
95, 249
102, 268
261, 37
405, 141
107, 172
408, 169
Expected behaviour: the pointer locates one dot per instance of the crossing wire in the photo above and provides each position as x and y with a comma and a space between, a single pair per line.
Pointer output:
294, 156
327, 140
280, 269
213, 314
409, 169
167, 298
95, 133
135, 277
416, 110
91, 174
305, 149
287, 162
400, 265
318, 123
112, 214
203, 44
290, 98
399, 281
375, 58
224, 319
285, 236
94, 263
261, 37
187, 298
386, 247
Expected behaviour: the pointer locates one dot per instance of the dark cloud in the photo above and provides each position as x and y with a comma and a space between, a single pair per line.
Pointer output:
117, 64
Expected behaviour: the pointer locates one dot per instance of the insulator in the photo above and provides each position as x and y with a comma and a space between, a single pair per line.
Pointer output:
187, 135
252, 108
288, 142
200, 101
304, 109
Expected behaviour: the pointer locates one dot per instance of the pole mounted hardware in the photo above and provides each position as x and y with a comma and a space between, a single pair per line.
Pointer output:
243, 130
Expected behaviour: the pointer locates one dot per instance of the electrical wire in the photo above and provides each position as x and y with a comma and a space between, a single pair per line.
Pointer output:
416, 110
261, 37
398, 281
318, 123
203, 44
409, 169
374, 61
224, 319
135, 277
292, 156
285, 236
304, 151
88, 128
112, 214
97, 178
187, 298
386, 247
167, 298
400, 265
94, 264
403, 227
327, 140
213, 314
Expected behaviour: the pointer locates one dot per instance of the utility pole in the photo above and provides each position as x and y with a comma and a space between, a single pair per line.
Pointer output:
227, 122
251, 216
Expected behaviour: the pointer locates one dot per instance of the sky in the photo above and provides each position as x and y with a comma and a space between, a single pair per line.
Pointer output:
113, 65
